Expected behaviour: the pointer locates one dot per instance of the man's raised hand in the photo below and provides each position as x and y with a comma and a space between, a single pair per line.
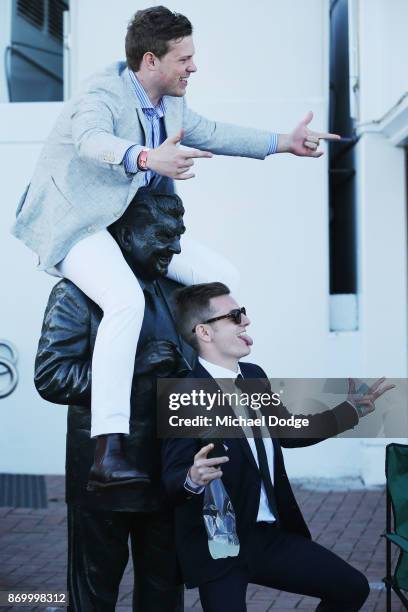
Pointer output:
303, 141
169, 160
365, 402
204, 470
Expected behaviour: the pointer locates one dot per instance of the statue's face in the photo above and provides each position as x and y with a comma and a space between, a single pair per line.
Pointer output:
152, 245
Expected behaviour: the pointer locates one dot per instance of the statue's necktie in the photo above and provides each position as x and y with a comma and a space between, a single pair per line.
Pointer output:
152, 323
262, 458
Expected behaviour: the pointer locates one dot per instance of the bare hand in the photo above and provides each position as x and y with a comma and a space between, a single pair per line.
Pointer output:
169, 160
302, 141
365, 403
204, 470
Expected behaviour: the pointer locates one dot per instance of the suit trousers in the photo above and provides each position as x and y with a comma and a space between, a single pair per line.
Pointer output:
98, 554
96, 266
292, 563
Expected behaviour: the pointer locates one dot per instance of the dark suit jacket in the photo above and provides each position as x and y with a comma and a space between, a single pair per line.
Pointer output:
63, 376
242, 480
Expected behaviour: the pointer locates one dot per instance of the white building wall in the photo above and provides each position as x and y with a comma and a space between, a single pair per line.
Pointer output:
32, 432
263, 64
382, 200
383, 50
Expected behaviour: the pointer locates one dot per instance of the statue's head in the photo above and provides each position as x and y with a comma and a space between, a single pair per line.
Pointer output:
149, 232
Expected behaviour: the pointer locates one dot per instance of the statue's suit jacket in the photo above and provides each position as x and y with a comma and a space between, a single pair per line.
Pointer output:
80, 185
63, 376
242, 480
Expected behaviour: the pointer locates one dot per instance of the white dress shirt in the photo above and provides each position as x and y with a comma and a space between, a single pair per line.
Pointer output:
218, 372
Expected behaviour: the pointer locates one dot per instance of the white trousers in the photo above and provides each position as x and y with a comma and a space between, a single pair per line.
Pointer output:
96, 265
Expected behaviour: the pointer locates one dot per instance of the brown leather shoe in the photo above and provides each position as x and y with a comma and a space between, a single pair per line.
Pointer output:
110, 467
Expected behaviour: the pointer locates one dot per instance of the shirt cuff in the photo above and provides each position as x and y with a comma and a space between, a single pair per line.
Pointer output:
356, 408
130, 159
273, 145
190, 486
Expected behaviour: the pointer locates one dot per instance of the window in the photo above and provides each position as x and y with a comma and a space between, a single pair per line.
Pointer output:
342, 230
342, 196
33, 50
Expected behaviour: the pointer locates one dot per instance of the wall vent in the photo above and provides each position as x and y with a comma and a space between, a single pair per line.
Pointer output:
32, 11
23, 491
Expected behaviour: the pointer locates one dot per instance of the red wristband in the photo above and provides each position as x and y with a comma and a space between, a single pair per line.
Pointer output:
142, 160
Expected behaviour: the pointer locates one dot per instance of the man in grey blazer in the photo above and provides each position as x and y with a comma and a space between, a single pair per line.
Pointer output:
90, 154
122, 132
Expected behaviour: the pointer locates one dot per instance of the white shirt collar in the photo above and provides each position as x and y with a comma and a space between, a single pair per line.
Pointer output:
217, 371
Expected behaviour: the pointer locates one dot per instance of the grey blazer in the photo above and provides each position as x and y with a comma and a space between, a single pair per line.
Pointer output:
80, 185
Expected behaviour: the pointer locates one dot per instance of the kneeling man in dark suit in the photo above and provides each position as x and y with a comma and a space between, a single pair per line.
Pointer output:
276, 549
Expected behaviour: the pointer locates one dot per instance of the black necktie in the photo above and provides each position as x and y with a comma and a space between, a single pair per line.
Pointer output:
157, 320
150, 314
262, 458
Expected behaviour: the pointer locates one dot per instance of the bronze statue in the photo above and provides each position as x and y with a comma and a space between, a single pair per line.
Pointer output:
100, 521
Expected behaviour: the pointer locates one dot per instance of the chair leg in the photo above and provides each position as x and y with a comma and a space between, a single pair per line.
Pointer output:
388, 581
388, 601
402, 597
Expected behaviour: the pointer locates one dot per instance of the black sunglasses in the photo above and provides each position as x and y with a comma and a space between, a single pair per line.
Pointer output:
235, 315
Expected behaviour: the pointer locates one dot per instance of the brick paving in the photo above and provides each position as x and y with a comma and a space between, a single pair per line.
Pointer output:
349, 522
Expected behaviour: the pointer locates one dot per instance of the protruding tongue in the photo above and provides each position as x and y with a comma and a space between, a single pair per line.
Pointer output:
247, 339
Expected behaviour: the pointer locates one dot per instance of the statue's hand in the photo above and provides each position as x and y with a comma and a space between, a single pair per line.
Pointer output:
160, 358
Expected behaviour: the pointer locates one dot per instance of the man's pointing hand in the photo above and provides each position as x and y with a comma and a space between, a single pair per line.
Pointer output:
169, 160
303, 141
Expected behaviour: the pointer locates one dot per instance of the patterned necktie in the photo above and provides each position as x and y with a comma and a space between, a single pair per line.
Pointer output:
153, 137
262, 458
